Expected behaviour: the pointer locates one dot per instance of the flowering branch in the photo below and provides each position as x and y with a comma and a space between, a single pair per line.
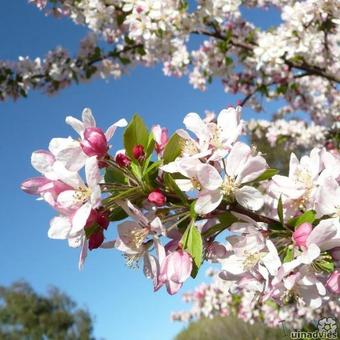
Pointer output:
173, 197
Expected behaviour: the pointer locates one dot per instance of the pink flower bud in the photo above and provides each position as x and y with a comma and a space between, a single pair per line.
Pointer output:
301, 234
161, 138
33, 186
333, 282
177, 266
157, 198
138, 152
96, 239
94, 142
122, 160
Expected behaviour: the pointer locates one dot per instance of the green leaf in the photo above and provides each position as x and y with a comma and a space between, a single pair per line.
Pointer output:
308, 216
153, 166
227, 219
148, 152
192, 243
117, 214
324, 263
228, 61
137, 171
114, 175
269, 173
135, 133
172, 186
280, 210
172, 149
150, 145
289, 254
192, 210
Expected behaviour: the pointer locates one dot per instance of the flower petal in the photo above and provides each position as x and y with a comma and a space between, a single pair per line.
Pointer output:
88, 118
80, 217
60, 227
208, 201
194, 123
76, 124
249, 198
92, 171
42, 161
252, 169
111, 130
209, 177
237, 158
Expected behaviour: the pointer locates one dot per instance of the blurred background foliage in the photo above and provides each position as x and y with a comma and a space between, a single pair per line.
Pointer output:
229, 328
27, 315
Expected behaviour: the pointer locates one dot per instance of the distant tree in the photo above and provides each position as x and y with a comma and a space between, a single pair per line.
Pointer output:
24, 314
228, 328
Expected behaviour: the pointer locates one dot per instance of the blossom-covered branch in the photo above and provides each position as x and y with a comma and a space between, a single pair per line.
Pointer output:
298, 60
175, 197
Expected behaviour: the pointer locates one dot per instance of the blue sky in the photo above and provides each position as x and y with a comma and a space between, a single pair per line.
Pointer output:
121, 299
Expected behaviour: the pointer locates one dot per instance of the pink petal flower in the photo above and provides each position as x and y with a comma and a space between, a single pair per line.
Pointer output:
177, 266
301, 234
161, 138
138, 152
94, 142
333, 282
157, 197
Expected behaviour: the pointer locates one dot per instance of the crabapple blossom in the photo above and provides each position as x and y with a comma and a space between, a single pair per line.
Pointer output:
241, 167
173, 197
297, 60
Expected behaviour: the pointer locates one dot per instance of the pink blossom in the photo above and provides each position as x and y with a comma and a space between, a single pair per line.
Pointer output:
333, 282
157, 197
122, 160
138, 152
161, 138
94, 142
176, 269
301, 234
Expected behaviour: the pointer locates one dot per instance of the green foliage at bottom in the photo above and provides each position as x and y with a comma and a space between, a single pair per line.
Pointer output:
27, 315
228, 328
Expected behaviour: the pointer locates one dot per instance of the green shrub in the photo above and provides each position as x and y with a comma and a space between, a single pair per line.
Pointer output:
228, 328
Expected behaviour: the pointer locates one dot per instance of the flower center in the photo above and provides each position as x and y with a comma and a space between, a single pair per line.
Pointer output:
252, 259
82, 194
195, 183
132, 260
228, 186
137, 237
304, 177
216, 136
189, 148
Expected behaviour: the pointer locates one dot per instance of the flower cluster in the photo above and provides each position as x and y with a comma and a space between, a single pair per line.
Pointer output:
214, 299
297, 60
173, 197
292, 133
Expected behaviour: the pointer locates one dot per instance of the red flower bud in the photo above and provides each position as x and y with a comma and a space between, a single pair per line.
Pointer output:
91, 219
96, 239
102, 219
157, 198
138, 152
94, 142
122, 160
